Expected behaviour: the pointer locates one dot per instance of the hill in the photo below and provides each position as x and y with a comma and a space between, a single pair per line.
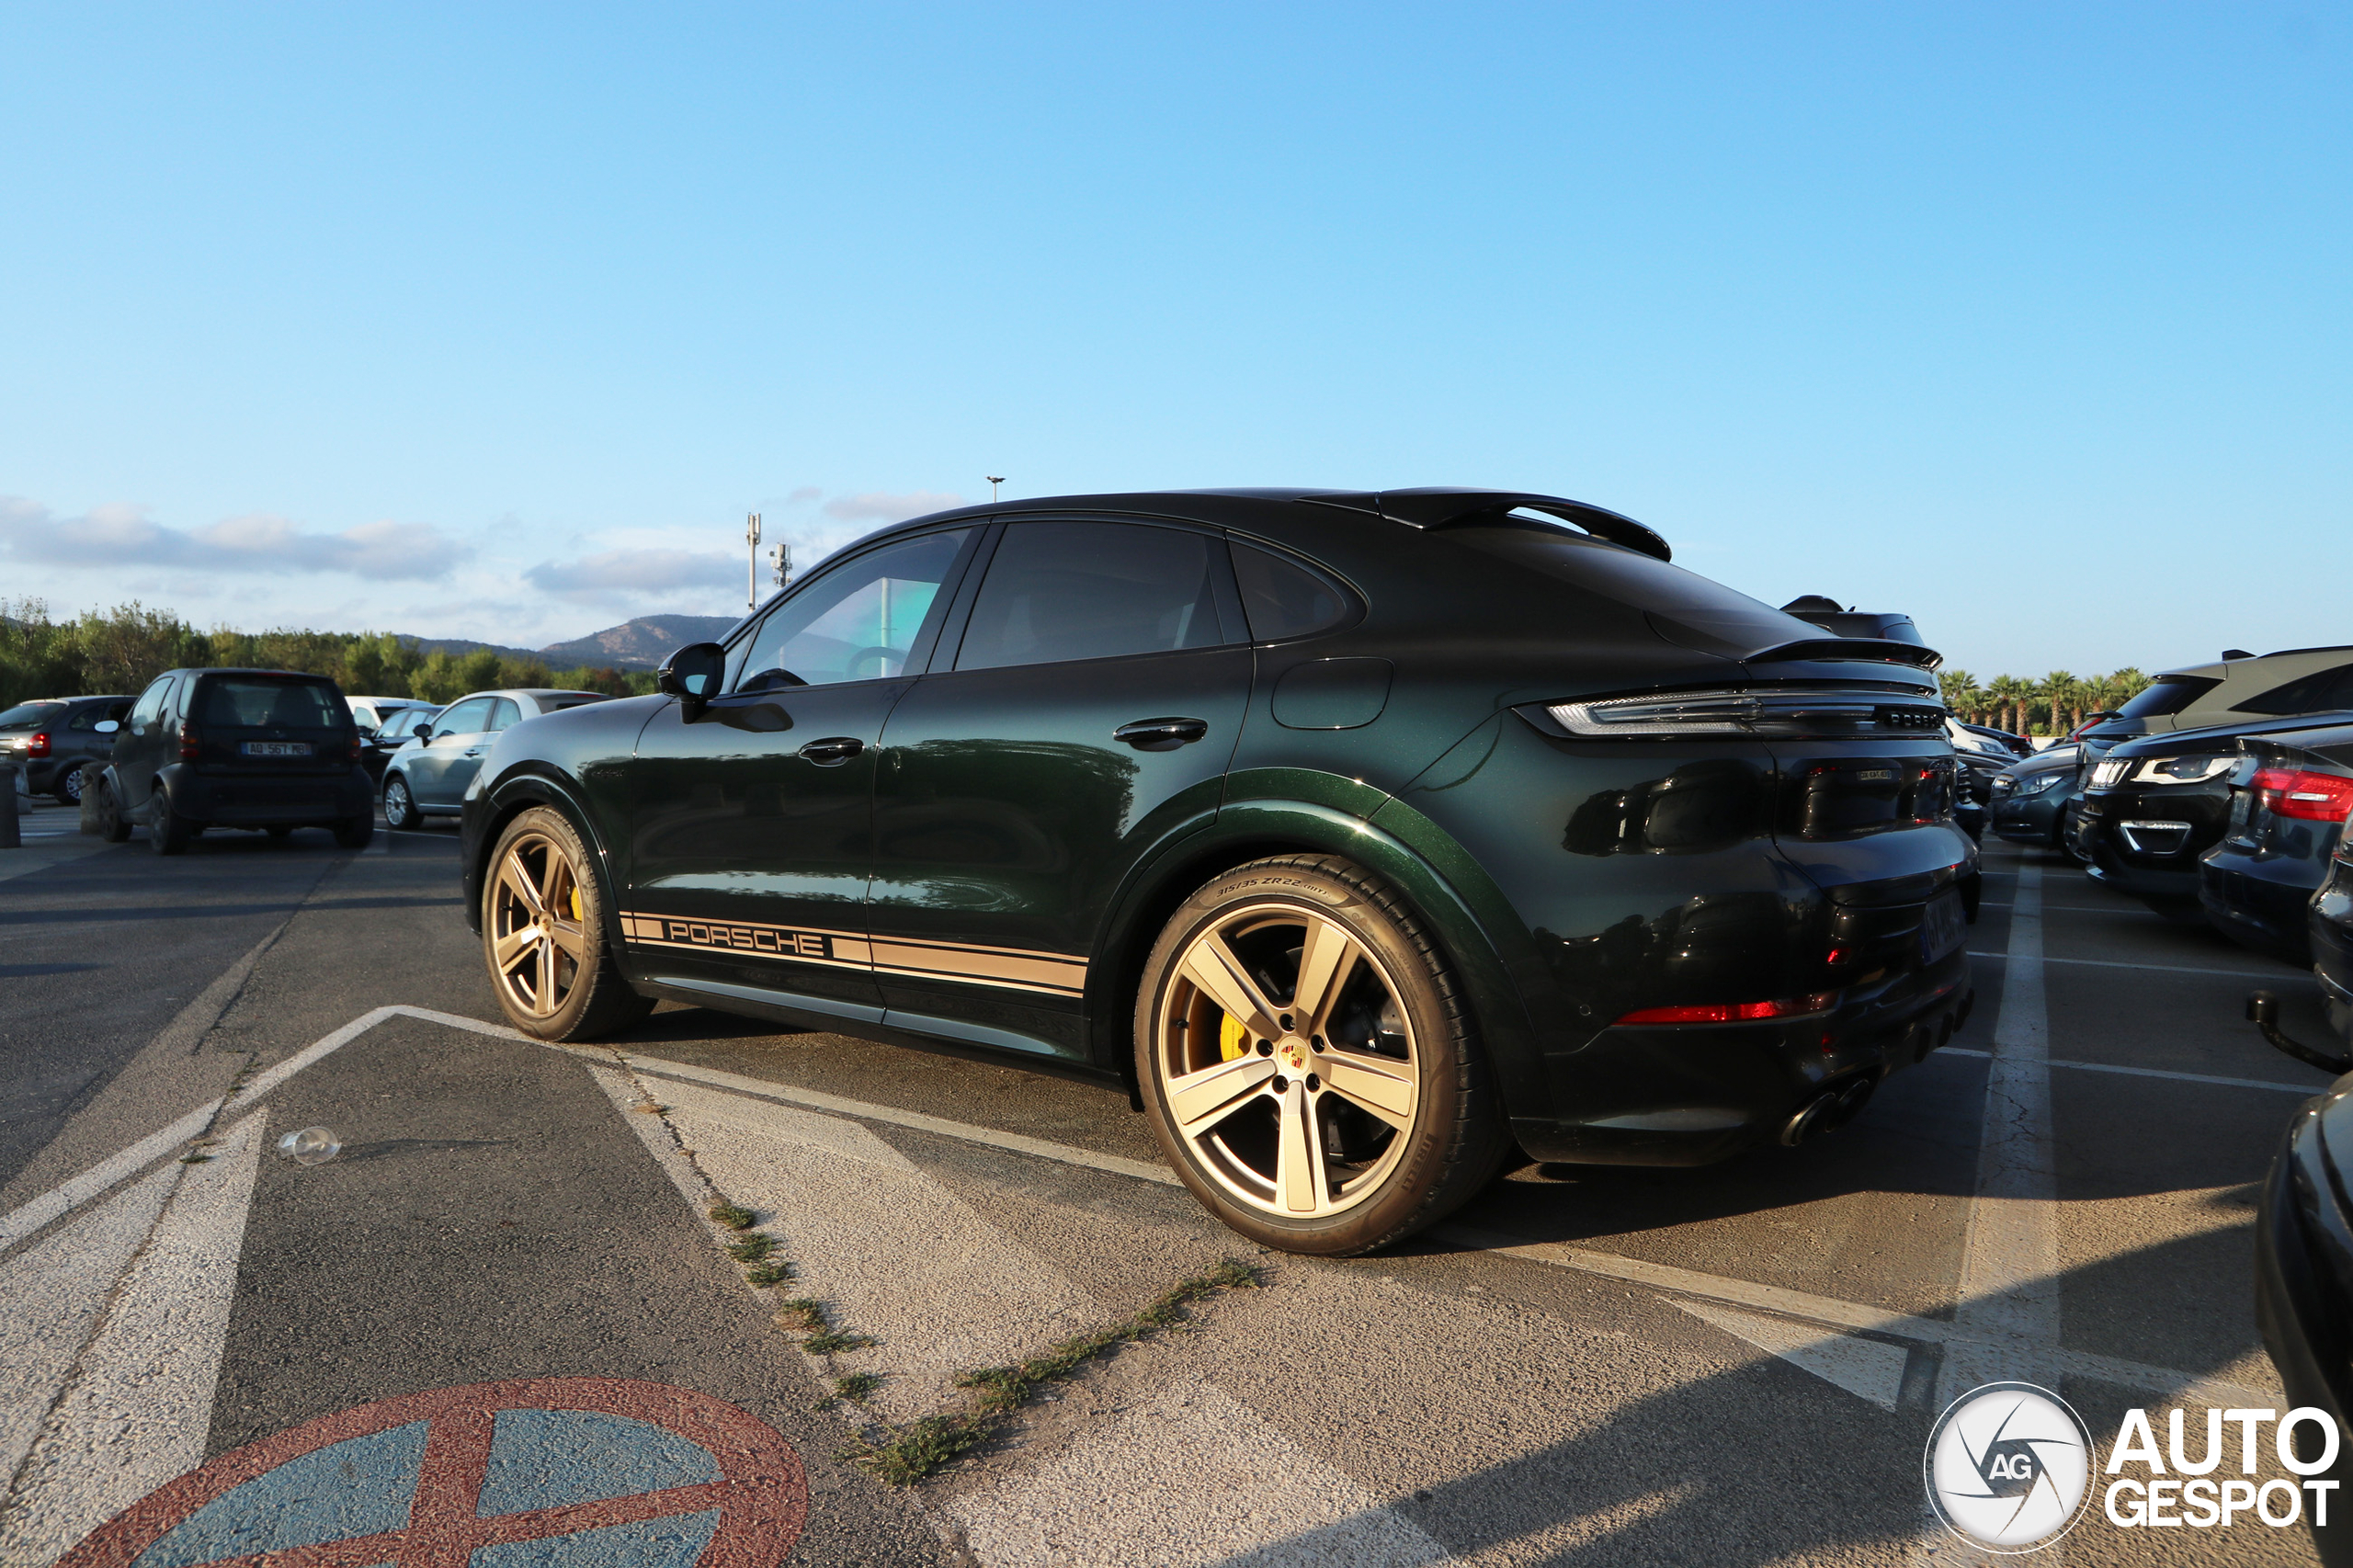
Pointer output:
640, 645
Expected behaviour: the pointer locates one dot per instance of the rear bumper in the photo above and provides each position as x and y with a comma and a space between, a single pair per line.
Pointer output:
2264, 902
1693, 1094
237, 801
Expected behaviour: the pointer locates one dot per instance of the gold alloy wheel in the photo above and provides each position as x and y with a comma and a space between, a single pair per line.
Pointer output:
1286, 1060
536, 943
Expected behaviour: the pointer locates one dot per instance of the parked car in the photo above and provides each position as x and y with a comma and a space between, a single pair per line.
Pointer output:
2030, 797
2153, 806
50, 739
1361, 835
266, 749
386, 724
2243, 688
427, 774
2290, 798
1980, 761
2017, 745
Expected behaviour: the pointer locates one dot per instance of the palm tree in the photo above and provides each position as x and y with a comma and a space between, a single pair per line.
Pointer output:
2121, 688
2058, 690
1959, 688
2006, 691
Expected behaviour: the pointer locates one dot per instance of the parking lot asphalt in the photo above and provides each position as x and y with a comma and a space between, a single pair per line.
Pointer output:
1725, 1365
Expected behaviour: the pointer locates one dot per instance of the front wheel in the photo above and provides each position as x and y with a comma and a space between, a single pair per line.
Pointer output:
543, 935
112, 825
1310, 1062
400, 809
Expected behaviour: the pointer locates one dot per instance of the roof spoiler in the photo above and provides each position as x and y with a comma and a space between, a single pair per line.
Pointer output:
1879, 650
1437, 507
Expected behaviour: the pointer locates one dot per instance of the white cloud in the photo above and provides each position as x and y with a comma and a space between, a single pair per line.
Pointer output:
879, 506
636, 572
118, 535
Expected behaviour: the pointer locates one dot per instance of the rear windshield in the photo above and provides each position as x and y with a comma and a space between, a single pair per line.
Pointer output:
1641, 580
32, 715
258, 702
558, 704
2168, 694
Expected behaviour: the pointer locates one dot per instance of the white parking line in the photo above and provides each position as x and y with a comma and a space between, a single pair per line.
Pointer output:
2159, 968
2161, 1072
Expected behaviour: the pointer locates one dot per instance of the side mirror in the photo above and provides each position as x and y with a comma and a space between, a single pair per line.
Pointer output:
421, 731
693, 672
105, 727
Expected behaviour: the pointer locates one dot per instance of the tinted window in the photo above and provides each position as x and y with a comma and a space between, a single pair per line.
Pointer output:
30, 715
468, 718
2168, 694
504, 714
1062, 591
256, 702
1283, 598
2314, 693
151, 704
91, 715
858, 621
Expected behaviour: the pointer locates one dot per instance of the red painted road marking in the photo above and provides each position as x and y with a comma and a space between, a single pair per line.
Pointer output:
762, 1495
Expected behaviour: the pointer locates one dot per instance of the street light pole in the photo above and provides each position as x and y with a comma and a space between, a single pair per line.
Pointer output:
994, 480
752, 561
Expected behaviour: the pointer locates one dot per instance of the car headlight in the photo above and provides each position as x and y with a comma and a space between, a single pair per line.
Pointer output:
2194, 768
1777, 713
2036, 783
2109, 773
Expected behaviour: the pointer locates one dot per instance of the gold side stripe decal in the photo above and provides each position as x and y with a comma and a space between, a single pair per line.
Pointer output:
1011, 968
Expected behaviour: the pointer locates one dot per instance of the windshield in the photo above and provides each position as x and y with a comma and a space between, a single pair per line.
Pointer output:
32, 715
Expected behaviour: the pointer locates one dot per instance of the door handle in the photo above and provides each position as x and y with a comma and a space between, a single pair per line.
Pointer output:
1161, 735
832, 750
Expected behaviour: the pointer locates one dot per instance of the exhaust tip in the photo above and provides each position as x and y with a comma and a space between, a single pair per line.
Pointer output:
1809, 1120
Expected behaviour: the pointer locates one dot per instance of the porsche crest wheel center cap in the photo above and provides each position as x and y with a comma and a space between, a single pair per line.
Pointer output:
1294, 1052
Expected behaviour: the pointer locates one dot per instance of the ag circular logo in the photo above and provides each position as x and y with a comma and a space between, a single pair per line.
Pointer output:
2008, 1467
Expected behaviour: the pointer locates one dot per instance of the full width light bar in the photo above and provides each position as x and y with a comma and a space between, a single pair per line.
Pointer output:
1793, 714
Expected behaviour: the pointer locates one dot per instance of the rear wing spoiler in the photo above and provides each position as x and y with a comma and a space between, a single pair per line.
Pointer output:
1878, 650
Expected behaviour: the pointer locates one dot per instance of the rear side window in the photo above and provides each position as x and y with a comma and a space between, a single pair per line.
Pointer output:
504, 713
1062, 591
2314, 693
90, 717
2166, 694
1283, 598
257, 703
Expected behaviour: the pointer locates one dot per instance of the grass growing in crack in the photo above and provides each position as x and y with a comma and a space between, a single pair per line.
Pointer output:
828, 1341
734, 1216
905, 1455
768, 1274
857, 1385
810, 1317
752, 1248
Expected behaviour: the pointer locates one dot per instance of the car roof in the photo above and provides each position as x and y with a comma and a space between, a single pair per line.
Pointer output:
2210, 737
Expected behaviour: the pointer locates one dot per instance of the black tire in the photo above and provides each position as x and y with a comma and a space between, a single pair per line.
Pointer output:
168, 833
400, 807
1384, 1164
352, 833
112, 825
567, 985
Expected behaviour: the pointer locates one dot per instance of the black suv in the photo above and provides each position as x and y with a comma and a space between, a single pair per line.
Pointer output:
51, 738
269, 749
1362, 836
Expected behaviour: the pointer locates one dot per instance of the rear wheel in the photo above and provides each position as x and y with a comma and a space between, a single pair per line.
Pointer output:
353, 833
400, 810
279, 831
1310, 1064
168, 833
69, 787
543, 935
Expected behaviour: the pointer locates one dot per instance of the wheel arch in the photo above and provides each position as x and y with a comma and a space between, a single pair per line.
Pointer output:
511, 796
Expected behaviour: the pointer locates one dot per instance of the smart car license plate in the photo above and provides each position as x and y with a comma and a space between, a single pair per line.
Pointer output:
1942, 927
277, 748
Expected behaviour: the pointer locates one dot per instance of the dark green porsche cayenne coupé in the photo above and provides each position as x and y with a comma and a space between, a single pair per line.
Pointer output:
1369, 838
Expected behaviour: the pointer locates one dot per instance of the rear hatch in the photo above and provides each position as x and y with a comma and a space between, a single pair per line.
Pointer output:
268, 726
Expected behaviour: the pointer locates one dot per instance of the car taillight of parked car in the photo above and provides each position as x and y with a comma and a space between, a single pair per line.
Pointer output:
38, 745
359, 744
191, 743
2309, 797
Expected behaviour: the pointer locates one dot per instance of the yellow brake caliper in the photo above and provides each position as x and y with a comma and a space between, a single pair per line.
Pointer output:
1231, 1042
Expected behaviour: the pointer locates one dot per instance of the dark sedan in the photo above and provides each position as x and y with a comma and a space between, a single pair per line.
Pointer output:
2030, 797
2289, 799
2153, 806
1361, 835
52, 738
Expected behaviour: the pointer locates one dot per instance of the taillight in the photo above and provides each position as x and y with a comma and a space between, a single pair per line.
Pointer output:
1736, 1012
38, 745
1770, 712
356, 746
2310, 796
191, 743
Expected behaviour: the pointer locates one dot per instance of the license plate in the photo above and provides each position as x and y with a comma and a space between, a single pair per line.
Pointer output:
277, 748
1943, 926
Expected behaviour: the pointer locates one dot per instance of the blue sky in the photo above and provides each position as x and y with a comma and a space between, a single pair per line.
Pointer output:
493, 321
